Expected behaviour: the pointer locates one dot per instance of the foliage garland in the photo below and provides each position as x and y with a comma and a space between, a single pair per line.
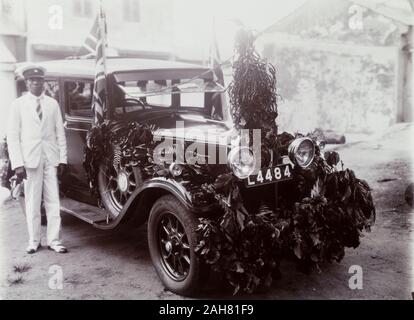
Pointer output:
115, 143
253, 96
248, 247
329, 211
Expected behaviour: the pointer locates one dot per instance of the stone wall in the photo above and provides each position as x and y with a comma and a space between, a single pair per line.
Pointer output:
330, 86
338, 67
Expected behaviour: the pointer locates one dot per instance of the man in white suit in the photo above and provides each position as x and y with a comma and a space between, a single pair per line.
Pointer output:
37, 150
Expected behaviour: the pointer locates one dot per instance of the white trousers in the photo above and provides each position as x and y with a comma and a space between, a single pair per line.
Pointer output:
43, 178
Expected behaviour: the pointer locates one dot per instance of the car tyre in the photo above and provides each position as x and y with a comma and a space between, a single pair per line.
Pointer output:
169, 250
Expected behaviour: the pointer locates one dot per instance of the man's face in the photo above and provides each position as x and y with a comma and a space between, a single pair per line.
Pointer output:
35, 85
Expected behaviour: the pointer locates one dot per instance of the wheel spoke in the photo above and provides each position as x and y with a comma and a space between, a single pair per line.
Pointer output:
170, 224
106, 173
186, 258
177, 223
180, 266
179, 235
174, 259
167, 231
107, 187
117, 194
112, 184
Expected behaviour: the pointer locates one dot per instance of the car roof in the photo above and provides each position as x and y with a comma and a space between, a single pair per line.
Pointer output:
86, 67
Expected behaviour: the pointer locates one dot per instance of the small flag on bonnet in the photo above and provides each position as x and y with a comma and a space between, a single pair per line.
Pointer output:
214, 59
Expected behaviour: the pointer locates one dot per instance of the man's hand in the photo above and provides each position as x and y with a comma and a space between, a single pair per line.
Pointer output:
61, 170
20, 173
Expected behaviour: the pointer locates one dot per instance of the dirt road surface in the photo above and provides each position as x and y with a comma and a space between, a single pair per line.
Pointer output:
117, 265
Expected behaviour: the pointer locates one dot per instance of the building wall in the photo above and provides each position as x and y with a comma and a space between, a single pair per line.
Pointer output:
47, 37
333, 86
334, 72
8, 94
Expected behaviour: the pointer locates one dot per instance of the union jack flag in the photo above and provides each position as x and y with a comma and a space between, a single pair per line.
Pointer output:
88, 48
95, 45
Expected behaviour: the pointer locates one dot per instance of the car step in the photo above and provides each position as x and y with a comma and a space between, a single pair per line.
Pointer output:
83, 211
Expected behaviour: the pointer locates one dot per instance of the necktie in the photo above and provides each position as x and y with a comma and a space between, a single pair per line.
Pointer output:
39, 109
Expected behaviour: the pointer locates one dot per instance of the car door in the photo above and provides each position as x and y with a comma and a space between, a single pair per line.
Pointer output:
77, 100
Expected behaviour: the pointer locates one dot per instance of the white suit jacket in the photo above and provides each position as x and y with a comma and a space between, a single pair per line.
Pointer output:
28, 136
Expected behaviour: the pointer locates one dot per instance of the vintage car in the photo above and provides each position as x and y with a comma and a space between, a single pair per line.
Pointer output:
159, 94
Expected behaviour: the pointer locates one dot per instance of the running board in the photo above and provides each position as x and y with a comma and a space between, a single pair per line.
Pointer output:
83, 211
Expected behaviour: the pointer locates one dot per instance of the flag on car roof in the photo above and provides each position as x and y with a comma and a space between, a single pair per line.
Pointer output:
99, 88
89, 46
218, 76
214, 59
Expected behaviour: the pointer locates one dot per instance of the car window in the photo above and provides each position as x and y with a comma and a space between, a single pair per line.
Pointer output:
161, 100
192, 92
183, 93
78, 96
52, 89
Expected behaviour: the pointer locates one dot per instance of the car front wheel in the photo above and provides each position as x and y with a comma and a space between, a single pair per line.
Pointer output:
172, 239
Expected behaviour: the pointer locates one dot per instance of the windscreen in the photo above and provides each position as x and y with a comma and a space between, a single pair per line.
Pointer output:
176, 91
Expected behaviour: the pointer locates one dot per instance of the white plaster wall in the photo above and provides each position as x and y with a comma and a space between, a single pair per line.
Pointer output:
7, 94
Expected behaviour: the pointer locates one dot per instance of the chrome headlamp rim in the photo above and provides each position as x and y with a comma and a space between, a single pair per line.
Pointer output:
232, 165
293, 148
175, 169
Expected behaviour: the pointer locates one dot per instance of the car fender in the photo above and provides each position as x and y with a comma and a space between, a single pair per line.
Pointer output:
138, 205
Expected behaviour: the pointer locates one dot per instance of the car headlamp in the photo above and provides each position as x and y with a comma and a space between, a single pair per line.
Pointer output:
175, 169
241, 160
302, 151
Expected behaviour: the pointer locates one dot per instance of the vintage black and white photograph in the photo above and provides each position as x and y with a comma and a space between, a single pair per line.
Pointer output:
196, 150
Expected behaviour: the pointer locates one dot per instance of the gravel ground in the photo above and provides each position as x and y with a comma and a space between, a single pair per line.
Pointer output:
116, 264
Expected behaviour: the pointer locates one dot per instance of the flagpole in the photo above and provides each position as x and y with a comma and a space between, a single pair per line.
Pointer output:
102, 29
214, 56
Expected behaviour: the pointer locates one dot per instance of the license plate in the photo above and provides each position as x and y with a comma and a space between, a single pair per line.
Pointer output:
269, 175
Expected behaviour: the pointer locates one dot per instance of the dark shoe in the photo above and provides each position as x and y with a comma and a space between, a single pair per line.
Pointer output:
32, 249
58, 248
